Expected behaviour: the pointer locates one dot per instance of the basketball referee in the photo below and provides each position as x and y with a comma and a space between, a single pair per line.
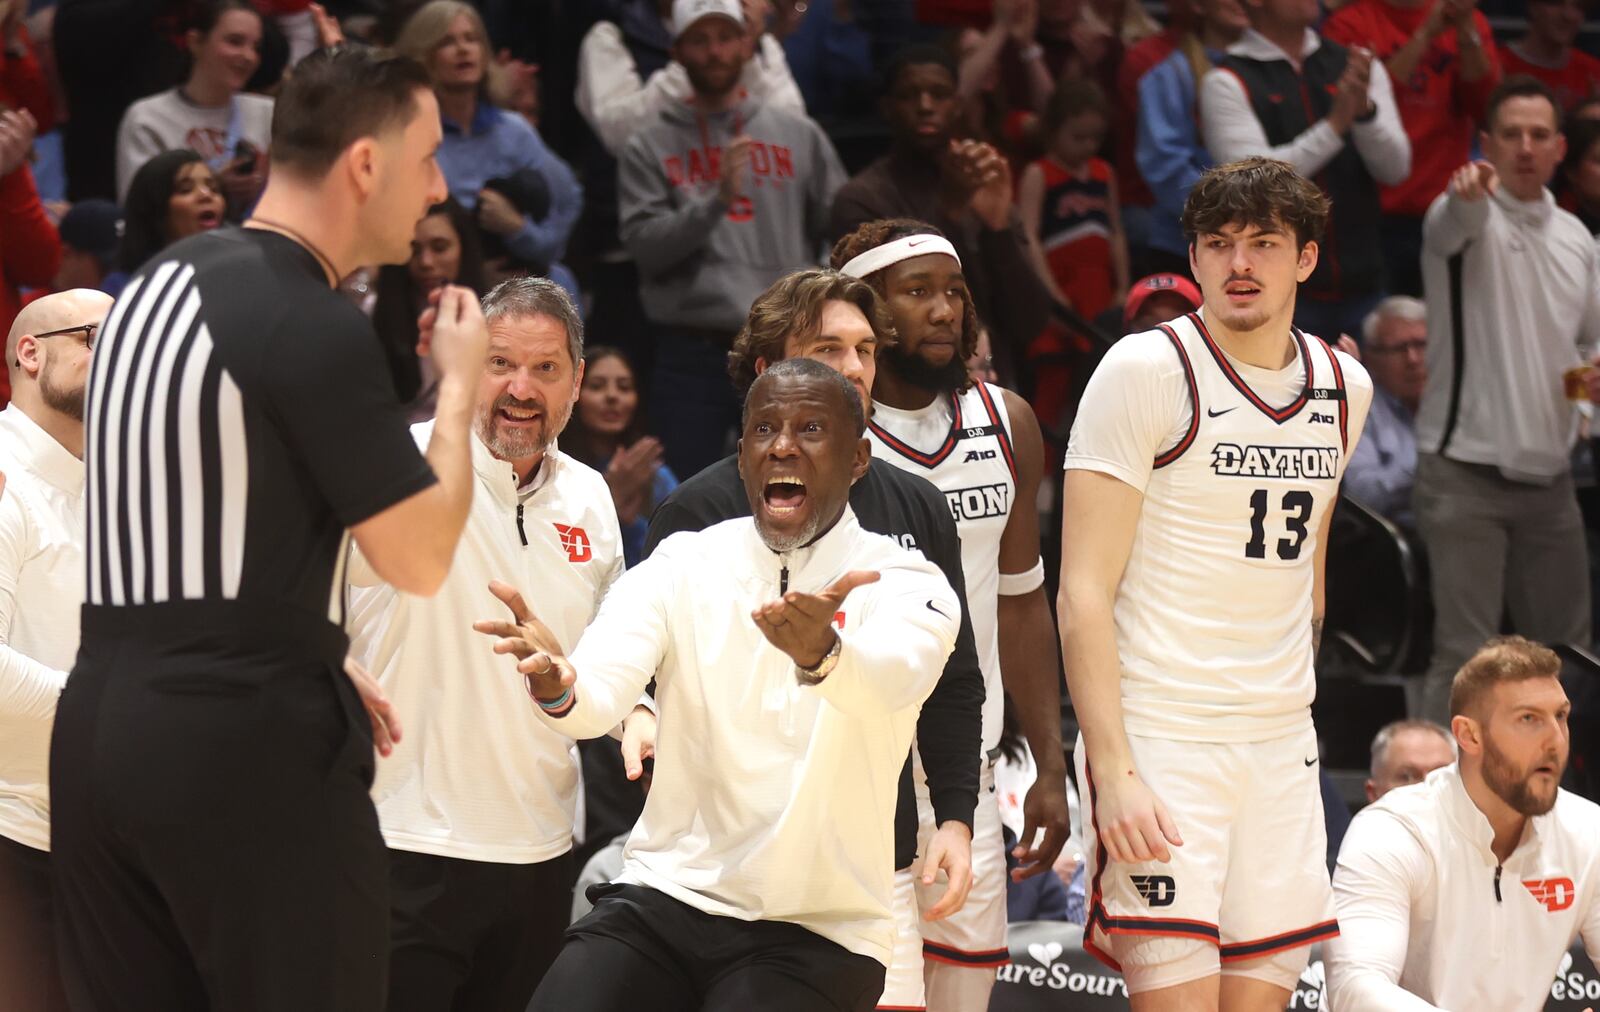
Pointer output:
215, 844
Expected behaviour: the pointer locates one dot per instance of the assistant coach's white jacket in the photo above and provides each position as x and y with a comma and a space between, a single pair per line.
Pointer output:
476, 776
771, 800
1429, 919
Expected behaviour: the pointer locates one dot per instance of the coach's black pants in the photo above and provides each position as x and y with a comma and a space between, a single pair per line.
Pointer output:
473, 936
214, 844
639, 948
30, 978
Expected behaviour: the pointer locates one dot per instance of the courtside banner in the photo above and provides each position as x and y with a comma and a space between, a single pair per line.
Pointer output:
1051, 972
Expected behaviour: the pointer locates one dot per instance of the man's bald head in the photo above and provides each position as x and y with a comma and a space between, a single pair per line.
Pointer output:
49, 360
56, 312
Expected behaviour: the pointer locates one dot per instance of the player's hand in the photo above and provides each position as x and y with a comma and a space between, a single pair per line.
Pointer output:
638, 744
385, 722
1134, 824
1347, 344
801, 625
950, 851
1044, 807
735, 166
1474, 181
540, 659
453, 332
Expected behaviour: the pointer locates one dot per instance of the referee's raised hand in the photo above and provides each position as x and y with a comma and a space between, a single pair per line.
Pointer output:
544, 666
453, 333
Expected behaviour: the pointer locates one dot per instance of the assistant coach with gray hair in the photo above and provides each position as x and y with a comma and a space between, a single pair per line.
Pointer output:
477, 802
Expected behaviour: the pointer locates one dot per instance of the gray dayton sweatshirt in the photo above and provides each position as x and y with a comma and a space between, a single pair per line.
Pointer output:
701, 261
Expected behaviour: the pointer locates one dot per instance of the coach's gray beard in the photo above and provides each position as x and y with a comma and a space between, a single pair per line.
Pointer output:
67, 400
519, 445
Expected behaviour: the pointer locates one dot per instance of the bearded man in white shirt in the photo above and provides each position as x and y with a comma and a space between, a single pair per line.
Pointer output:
41, 588
792, 651
1464, 892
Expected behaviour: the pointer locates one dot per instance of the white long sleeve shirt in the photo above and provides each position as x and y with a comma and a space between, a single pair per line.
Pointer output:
1429, 919
771, 800
41, 591
476, 775
616, 103
1231, 130
1526, 277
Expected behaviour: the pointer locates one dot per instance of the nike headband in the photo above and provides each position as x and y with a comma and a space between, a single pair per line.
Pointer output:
890, 253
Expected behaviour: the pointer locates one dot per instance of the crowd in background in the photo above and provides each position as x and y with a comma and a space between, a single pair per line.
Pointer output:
666, 181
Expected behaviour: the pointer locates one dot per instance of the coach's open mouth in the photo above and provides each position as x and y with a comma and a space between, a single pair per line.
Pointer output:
783, 496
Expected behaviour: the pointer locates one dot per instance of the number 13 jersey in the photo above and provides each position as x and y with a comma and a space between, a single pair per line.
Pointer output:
1239, 466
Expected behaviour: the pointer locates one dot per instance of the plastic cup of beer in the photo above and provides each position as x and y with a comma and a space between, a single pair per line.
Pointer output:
1575, 382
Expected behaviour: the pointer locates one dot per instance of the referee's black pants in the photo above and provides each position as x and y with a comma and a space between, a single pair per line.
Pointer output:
473, 936
30, 979
213, 843
640, 948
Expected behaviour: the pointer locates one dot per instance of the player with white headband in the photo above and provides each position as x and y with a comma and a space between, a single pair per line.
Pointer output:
981, 446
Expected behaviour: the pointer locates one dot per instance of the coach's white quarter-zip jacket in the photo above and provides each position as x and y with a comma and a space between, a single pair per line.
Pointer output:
1429, 919
476, 776
771, 800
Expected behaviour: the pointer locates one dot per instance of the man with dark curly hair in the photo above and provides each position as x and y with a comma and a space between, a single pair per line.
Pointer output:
981, 447
1201, 475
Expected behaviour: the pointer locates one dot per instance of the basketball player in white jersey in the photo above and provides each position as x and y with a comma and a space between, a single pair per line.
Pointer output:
1201, 473
980, 445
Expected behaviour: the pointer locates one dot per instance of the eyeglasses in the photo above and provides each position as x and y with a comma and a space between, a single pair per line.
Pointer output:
1403, 348
88, 330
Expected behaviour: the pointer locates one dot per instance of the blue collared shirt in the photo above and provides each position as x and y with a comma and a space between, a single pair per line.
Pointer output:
1384, 466
495, 144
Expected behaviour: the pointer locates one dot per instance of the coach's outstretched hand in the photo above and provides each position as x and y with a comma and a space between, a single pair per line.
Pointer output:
543, 664
1134, 824
801, 625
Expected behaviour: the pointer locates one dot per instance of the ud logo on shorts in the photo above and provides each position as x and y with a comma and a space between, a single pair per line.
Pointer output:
1554, 894
1157, 890
576, 542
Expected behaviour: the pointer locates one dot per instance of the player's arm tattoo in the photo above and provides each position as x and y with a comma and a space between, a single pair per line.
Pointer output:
1316, 635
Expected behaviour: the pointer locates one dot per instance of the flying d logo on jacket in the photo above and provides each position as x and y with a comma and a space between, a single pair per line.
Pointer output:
576, 542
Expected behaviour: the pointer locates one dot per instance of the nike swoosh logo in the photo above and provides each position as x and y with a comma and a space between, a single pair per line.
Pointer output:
914, 243
1211, 413
1311, 762
936, 611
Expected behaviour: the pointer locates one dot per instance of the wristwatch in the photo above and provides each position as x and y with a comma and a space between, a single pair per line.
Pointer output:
830, 660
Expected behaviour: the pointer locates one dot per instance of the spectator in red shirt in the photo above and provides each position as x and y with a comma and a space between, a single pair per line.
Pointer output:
1547, 51
1440, 57
30, 250
23, 84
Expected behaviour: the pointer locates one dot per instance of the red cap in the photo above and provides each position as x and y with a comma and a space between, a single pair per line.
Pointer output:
1142, 289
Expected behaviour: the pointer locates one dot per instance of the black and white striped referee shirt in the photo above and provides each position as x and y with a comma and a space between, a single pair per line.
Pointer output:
240, 418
